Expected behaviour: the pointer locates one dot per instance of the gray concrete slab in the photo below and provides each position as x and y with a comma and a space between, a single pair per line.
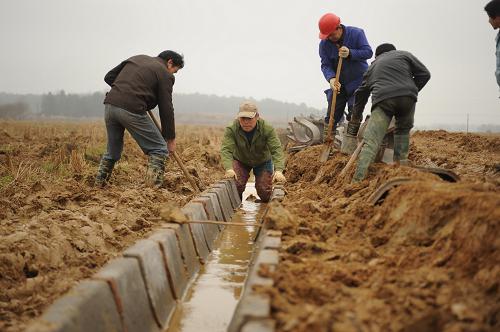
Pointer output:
227, 186
250, 307
271, 242
177, 273
225, 203
234, 191
200, 243
196, 211
188, 251
89, 306
154, 273
259, 325
212, 208
216, 205
124, 276
207, 205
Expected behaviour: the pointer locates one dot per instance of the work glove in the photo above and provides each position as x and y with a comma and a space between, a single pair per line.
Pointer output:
343, 52
335, 86
230, 174
279, 177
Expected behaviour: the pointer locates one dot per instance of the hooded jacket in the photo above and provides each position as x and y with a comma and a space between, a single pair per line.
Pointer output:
392, 74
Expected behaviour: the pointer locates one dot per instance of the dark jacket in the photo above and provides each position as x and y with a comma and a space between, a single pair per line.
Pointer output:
139, 84
353, 67
392, 74
265, 146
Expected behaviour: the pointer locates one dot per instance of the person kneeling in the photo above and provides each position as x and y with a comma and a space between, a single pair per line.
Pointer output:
251, 143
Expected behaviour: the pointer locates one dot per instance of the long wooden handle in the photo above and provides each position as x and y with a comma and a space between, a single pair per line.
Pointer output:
186, 173
351, 160
177, 159
334, 101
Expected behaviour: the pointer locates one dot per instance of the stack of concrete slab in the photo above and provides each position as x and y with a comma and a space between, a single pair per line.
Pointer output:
253, 312
140, 290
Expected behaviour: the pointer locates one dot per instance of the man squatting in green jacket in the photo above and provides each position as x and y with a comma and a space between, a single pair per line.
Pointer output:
251, 143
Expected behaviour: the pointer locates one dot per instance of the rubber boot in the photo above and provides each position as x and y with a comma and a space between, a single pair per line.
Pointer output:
401, 148
373, 137
104, 172
156, 170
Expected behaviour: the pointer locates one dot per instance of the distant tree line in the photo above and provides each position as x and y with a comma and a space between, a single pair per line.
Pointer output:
189, 108
72, 105
15, 111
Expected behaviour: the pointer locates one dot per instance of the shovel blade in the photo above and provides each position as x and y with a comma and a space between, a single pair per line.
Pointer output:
325, 153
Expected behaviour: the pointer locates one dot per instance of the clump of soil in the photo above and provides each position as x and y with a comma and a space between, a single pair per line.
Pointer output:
56, 228
426, 259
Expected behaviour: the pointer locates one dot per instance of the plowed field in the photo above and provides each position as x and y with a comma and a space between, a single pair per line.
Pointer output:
56, 228
427, 258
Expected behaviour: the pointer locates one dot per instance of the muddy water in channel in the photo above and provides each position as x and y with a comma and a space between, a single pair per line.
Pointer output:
212, 298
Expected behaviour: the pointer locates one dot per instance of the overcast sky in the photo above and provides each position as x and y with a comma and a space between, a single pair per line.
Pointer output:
258, 48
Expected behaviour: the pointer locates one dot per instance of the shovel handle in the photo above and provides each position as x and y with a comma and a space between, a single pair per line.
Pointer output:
334, 100
351, 160
176, 157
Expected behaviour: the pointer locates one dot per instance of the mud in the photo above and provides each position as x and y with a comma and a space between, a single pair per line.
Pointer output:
56, 228
426, 259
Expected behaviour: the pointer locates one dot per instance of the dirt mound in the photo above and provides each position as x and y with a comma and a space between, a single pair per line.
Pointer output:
56, 228
426, 259
475, 157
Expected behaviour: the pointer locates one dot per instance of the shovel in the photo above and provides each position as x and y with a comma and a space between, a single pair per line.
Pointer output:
177, 159
329, 141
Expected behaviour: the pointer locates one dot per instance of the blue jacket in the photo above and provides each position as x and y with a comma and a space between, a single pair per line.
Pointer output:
497, 72
353, 67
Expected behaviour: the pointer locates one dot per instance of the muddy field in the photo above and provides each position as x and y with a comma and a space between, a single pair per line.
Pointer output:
56, 228
426, 259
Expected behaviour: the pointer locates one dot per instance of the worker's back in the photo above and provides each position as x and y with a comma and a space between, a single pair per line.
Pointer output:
394, 74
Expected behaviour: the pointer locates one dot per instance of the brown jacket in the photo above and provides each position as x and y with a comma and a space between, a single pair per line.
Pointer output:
140, 83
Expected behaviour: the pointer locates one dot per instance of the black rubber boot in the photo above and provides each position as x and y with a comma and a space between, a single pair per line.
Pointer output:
104, 172
156, 170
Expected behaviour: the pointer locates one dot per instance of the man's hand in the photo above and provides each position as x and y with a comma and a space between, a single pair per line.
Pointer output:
230, 174
343, 52
171, 145
335, 85
279, 177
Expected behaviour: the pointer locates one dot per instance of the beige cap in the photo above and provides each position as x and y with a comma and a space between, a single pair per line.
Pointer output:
247, 110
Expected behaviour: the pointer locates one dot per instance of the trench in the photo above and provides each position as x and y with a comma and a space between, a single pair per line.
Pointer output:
210, 301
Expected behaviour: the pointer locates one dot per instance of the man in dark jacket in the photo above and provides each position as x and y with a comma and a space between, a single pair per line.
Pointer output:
138, 84
393, 79
251, 143
350, 43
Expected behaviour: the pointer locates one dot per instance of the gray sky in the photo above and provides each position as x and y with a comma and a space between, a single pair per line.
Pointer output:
258, 48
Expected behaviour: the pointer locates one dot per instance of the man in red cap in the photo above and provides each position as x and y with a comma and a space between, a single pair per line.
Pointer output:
350, 43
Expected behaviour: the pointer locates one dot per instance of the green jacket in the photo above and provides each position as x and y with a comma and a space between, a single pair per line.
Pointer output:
265, 145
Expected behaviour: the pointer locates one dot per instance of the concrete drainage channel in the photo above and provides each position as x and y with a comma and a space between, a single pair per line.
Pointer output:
144, 289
